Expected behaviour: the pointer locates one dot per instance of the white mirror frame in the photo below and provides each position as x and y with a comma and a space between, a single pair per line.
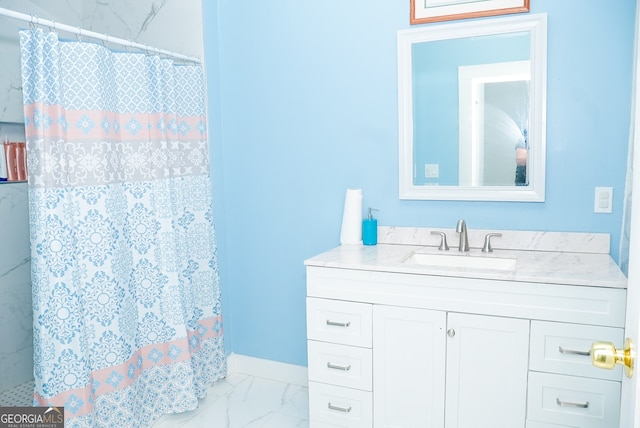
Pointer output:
536, 24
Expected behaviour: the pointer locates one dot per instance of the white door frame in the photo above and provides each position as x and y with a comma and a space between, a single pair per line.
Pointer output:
629, 410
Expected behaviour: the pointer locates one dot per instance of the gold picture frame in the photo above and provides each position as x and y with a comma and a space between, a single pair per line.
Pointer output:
425, 11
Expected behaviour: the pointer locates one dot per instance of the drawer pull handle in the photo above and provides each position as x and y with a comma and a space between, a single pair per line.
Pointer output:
339, 324
572, 352
335, 367
570, 404
338, 408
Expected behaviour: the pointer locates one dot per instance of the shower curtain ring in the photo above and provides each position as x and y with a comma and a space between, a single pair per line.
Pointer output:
32, 25
79, 34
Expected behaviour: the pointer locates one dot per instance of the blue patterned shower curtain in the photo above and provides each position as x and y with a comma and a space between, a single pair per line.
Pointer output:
127, 317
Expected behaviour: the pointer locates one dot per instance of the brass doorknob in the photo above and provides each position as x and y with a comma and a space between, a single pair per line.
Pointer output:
604, 355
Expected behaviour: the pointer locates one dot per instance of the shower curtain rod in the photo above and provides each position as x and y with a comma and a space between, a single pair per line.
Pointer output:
34, 20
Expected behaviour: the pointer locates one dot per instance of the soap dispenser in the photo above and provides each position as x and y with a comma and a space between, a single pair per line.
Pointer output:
370, 229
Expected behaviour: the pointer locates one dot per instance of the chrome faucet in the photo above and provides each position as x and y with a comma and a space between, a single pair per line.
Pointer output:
461, 228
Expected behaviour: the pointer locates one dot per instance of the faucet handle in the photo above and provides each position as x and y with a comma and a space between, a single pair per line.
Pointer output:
486, 248
443, 241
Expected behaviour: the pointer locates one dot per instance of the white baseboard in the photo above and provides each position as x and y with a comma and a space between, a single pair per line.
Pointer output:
267, 369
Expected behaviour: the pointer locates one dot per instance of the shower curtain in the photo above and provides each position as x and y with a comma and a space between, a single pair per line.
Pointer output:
127, 317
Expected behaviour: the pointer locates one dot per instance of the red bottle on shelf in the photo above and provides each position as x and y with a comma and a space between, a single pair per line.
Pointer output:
21, 161
10, 155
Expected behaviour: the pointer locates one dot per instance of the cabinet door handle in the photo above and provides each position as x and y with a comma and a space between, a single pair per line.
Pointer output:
572, 352
451, 332
570, 404
335, 367
339, 324
338, 408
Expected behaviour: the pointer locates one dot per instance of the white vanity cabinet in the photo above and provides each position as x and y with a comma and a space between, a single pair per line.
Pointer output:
409, 366
339, 363
432, 366
565, 389
405, 349
486, 371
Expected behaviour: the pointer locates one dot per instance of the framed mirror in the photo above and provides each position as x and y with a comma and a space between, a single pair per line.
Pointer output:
472, 110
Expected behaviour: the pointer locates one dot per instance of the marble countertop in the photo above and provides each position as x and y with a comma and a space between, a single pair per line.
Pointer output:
539, 263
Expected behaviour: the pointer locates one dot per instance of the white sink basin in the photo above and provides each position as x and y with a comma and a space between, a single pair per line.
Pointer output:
461, 260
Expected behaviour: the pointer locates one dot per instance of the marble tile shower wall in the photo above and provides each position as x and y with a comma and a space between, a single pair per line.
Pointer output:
174, 25
10, 79
16, 329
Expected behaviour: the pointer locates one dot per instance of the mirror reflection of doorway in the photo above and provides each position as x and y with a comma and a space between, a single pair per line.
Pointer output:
506, 121
494, 116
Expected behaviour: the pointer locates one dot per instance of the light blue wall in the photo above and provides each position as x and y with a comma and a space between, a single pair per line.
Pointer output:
304, 106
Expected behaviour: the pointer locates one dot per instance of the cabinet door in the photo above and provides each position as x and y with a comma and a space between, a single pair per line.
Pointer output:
408, 367
487, 361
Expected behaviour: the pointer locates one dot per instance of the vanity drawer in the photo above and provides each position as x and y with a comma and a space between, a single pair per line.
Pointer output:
331, 405
341, 365
573, 401
566, 348
337, 321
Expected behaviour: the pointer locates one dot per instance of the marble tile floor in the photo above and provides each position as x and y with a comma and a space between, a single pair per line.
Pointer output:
239, 401
243, 401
